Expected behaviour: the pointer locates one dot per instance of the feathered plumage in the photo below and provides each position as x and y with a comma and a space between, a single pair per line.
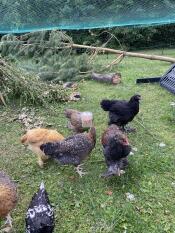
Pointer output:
8, 198
78, 121
34, 138
116, 148
72, 150
40, 214
121, 111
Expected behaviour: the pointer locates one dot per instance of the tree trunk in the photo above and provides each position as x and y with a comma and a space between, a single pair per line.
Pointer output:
114, 78
130, 54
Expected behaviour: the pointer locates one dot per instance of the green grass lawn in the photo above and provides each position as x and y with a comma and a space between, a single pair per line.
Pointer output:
82, 205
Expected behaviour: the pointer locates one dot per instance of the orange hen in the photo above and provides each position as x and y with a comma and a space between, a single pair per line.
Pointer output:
8, 199
34, 138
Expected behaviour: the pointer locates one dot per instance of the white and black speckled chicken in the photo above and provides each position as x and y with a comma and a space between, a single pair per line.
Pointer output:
72, 150
121, 111
8, 199
116, 148
40, 214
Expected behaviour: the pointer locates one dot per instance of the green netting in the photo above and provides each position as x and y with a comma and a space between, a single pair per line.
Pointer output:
18, 16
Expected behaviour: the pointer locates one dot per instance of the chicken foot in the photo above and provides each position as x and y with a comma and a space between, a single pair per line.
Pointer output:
7, 227
111, 173
128, 129
64, 160
80, 171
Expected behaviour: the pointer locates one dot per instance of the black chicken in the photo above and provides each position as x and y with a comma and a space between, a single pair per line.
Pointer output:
40, 215
116, 148
121, 111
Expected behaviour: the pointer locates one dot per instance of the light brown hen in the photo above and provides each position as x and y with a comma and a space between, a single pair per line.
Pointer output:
8, 199
34, 138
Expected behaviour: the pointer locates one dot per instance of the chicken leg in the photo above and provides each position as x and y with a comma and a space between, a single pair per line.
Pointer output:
128, 129
75, 161
79, 170
7, 227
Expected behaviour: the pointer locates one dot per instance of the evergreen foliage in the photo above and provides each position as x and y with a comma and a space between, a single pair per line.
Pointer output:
16, 84
52, 60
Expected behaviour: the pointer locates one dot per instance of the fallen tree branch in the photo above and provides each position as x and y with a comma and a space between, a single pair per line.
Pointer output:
129, 54
116, 61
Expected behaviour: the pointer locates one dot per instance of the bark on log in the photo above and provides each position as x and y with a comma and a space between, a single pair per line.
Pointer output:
114, 78
130, 54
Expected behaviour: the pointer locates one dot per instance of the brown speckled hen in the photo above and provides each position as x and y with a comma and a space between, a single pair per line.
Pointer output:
72, 150
78, 121
34, 138
8, 199
116, 148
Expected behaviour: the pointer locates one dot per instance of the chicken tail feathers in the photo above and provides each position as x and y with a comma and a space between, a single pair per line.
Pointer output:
69, 112
106, 104
24, 138
92, 134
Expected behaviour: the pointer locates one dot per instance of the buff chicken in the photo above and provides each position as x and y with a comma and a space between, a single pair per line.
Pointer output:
8, 200
34, 138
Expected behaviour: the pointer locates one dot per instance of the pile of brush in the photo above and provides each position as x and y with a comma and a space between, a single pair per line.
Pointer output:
16, 84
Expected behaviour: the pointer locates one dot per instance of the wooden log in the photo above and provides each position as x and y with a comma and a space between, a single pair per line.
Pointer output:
114, 78
130, 54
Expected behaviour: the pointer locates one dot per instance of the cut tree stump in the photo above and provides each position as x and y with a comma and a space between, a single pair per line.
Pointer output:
114, 78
